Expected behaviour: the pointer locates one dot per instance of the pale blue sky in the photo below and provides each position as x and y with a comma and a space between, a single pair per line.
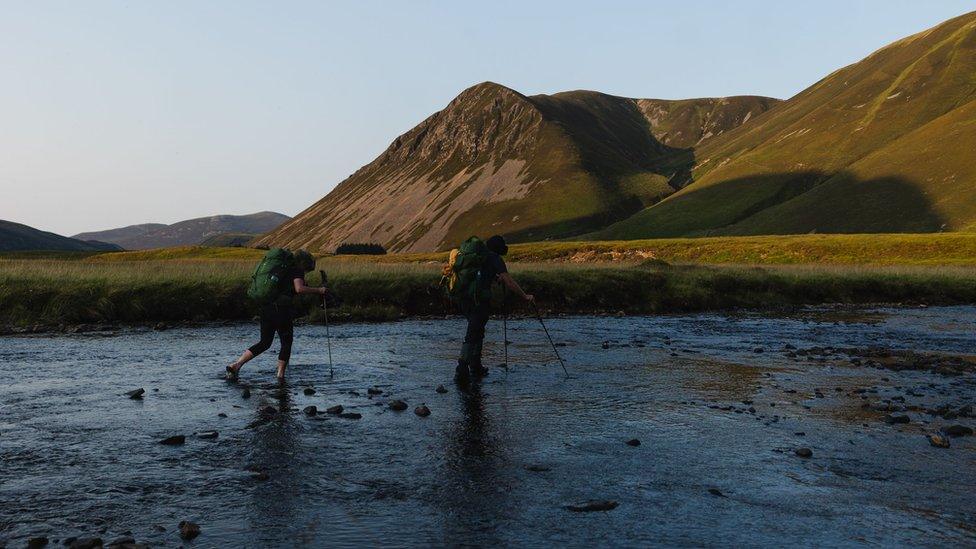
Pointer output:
114, 113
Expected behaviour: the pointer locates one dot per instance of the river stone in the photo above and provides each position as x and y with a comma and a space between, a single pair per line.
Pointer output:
351, 415
803, 452
422, 410
174, 440
398, 405
221, 414
938, 440
716, 492
136, 394
958, 431
309, 391
36, 542
85, 543
589, 506
310, 410
189, 530
374, 391
538, 468
246, 393
267, 410
441, 389
893, 419
633, 442
207, 434
124, 540
334, 410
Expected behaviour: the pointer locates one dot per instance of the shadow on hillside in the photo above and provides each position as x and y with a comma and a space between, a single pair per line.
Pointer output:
790, 203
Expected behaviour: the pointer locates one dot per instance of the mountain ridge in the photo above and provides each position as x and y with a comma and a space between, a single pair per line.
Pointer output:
19, 237
188, 232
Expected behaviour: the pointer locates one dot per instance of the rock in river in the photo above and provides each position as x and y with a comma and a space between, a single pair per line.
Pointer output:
398, 405
136, 394
351, 415
189, 530
893, 419
335, 410
422, 410
803, 452
36, 542
310, 410
717, 493
441, 389
309, 391
633, 442
174, 440
207, 434
958, 431
246, 393
938, 440
374, 391
590, 506
84, 543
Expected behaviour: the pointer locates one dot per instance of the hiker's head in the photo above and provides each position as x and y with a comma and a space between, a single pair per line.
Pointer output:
497, 244
305, 260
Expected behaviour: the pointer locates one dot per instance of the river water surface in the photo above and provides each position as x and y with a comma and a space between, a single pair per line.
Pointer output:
717, 402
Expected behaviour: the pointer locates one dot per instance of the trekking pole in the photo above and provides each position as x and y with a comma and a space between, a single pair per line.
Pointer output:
538, 315
505, 325
328, 336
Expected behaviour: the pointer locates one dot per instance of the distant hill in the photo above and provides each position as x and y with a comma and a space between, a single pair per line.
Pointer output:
18, 237
533, 168
887, 144
229, 240
187, 233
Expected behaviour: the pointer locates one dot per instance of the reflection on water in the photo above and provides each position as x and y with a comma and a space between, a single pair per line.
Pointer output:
494, 465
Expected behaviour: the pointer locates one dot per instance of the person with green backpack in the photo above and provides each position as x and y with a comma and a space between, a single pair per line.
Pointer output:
276, 280
471, 271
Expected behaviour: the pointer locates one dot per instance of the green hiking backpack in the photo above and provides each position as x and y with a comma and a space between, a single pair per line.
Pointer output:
270, 279
470, 285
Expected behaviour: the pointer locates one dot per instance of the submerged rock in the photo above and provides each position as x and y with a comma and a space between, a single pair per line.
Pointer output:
590, 506
246, 393
189, 530
221, 414
334, 410
36, 542
398, 405
124, 540
893, 419
633, 442
958, 431
441, 389
136, 394
207, 434
374, 391
717, 493
538, 468
174, 440
803, 452
938, 440
422, 410
310, 410
309, 391
83, 543
351, 415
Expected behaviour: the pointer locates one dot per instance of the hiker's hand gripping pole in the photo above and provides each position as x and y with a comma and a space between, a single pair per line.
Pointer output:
538, 315
325, 309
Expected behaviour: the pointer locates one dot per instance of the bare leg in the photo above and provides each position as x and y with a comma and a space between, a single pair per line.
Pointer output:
282, 364
235, 367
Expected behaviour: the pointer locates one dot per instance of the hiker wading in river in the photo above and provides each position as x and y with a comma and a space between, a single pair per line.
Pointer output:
275, 282
470, 273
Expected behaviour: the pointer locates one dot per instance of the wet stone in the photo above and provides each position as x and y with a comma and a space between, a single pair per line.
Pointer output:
136, 394
334, 410
938, 440
803, 452
351, 415
83, 543
716, 492
36, 542
246, 393
124, 540
900, 419
174, 440
958, 431
310, 410
538, 468
422, 410
374, 391
633, 442
309, 391
221, 414
591, 506
207, 434
189, 530
398, 405
441, 389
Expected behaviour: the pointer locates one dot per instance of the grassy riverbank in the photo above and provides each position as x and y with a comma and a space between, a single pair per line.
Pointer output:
53, 292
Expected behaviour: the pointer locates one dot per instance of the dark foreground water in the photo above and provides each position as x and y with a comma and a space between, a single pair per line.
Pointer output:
496, 467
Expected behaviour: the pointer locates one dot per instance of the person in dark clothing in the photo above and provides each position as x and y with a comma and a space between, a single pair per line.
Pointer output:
278, 316
477, 313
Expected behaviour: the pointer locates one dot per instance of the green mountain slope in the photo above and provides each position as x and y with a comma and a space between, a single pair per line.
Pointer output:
883, 145
18, 237
532, 168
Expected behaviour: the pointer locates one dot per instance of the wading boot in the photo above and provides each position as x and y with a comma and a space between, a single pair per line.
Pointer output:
461, 374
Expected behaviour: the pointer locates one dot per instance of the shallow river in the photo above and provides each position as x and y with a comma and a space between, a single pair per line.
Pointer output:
498, 465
